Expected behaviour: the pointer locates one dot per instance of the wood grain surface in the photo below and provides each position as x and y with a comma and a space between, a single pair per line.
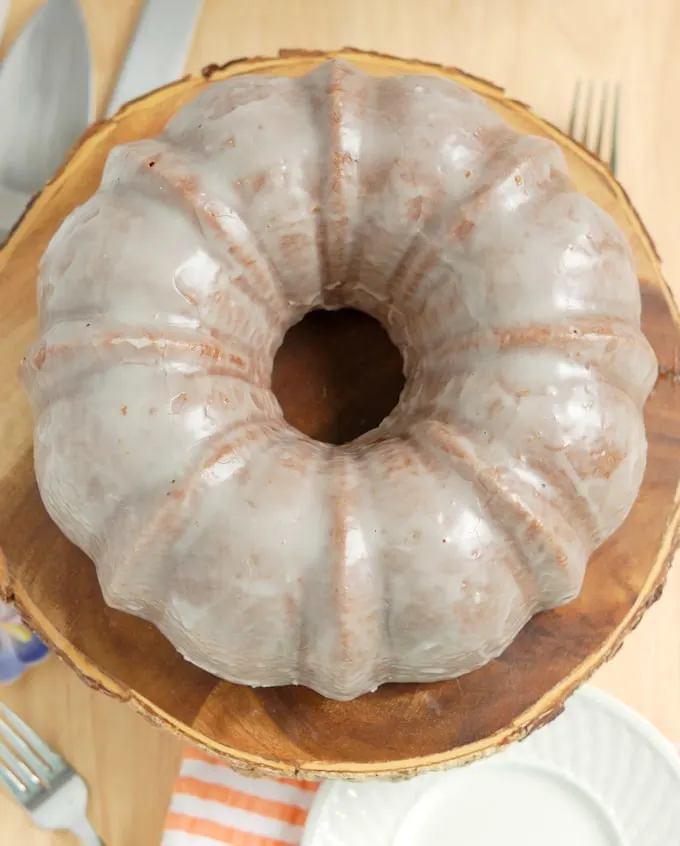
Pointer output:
536, 50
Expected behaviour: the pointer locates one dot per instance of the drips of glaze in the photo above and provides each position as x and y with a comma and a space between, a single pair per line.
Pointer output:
417, 551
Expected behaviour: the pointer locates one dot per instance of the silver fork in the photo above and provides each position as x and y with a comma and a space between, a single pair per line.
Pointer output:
594, 121
52, 793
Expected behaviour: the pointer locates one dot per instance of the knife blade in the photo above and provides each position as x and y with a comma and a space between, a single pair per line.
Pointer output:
158, 49
46, 102
4, 9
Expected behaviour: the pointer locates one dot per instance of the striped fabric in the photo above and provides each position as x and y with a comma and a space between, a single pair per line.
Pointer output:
213, 805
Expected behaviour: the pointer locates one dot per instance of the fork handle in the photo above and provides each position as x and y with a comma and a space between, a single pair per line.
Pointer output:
85, 833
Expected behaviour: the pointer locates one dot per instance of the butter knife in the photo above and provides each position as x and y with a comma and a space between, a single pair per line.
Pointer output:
158, 49
46, 100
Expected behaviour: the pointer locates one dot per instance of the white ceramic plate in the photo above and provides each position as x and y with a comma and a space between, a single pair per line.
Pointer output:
599, 775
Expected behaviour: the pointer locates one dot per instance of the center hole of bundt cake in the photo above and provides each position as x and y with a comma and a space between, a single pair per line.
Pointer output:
337, 375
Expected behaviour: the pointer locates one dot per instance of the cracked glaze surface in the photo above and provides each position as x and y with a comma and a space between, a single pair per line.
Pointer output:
417, 551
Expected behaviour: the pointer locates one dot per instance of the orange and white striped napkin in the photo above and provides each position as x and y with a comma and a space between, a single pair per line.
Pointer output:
213, 805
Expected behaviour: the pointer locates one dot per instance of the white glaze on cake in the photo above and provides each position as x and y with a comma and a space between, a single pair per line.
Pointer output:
418, 551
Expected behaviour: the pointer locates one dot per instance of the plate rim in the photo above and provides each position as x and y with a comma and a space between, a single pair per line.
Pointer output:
591, 695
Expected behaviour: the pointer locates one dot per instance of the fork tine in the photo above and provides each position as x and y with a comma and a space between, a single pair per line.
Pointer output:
19, 755
589, 107
601, 122
574, 108
583, 123
13, 784
17, 769
26, 741
613, 158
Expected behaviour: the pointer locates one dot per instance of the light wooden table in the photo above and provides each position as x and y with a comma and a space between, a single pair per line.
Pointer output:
536, 49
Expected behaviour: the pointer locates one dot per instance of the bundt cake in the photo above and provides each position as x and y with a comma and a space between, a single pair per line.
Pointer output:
417, 551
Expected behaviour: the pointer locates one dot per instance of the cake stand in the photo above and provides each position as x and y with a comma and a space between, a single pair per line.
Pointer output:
400, 730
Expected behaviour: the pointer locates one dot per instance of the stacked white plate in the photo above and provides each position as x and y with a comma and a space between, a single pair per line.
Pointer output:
599, 775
